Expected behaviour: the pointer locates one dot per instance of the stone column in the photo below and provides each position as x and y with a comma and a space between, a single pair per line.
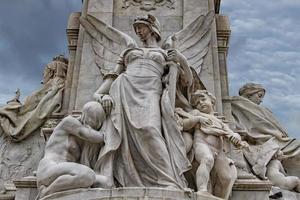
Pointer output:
223, 36
72, 36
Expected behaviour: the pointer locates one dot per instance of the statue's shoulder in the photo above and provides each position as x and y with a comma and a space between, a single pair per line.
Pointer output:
195, 112
69, 121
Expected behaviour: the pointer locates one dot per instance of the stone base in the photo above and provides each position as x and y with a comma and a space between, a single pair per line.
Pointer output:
127, 194
252, 189
26, 188
8, 193
280, 194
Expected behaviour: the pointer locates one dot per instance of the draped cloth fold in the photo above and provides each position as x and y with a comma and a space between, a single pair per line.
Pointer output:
151, 151
19, 121
264, 129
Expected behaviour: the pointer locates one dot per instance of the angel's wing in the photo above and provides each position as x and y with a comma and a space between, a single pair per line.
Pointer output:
107, 42
193, 41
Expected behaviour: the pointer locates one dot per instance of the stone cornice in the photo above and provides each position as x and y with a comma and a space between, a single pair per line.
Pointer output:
223, 33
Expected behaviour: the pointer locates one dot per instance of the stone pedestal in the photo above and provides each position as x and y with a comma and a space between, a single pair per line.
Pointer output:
26, 188
8, 192
127, 194
252, 189
280, 194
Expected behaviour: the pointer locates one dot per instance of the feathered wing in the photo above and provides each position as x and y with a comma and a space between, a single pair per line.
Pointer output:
193, 41
107, 42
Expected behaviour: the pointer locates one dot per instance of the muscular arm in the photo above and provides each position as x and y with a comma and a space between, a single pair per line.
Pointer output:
74, 127
90, 135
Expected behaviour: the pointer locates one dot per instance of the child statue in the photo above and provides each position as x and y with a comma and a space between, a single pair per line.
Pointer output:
209, 132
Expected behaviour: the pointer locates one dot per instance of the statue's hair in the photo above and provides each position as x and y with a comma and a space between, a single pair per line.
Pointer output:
94, 110
199, 93
251, 88
60, 58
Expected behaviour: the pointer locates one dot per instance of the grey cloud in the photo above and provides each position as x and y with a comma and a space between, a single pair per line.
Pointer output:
264, 49
33, 32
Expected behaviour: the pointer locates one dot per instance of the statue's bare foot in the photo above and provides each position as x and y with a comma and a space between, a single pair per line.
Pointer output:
103, 182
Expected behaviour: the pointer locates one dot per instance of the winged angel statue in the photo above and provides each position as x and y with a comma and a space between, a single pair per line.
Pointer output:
142, 86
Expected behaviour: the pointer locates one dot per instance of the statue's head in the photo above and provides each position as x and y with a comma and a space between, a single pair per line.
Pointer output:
149, 22
93, 115
203, 101
60, 58
253, 91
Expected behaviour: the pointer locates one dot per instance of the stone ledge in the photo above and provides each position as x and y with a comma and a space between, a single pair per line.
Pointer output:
134, 193
26, 182
9, 193
252, 185
7, 196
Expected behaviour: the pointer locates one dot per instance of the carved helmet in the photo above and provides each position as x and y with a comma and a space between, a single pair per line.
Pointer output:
151, 22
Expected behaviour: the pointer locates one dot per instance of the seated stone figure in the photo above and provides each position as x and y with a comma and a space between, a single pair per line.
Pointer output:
278, 176
18, 121
60, 170
259, 127
209, 132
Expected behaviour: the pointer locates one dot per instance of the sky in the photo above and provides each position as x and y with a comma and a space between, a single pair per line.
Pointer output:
264, 48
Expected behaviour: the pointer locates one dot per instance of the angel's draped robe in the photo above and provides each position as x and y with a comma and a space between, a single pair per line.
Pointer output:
152, 151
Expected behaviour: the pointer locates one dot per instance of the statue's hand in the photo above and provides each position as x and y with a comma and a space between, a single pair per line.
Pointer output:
174, 55
283, 138
238, 142
204, 121
107, 103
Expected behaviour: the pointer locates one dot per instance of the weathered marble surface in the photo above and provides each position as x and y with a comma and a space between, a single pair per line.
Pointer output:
87, 78
18, 120
251, 189
71, 151
266, 137
215, 171
127, 193
280, 194
21, 145
20, 159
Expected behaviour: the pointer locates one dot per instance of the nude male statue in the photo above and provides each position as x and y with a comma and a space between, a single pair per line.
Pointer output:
59, 170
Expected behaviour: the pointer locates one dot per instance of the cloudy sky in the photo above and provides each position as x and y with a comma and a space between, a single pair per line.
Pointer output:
264, 48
